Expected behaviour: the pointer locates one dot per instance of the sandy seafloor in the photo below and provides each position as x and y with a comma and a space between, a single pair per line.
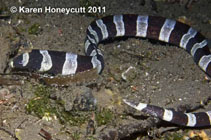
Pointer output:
161, 74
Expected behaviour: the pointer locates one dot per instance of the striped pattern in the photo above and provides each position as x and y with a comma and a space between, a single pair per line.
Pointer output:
103, 28
70, 64
200, 119
152, 27
119, 24
52, 62
25, 59
186, 37
141, 26
46, 63
166, 30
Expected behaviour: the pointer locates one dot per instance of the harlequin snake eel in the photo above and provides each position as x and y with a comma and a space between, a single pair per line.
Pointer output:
152, 27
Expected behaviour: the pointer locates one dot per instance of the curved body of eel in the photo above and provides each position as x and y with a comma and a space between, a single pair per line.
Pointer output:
153, 27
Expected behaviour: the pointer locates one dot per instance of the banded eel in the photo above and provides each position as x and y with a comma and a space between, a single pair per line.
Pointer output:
152, 27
